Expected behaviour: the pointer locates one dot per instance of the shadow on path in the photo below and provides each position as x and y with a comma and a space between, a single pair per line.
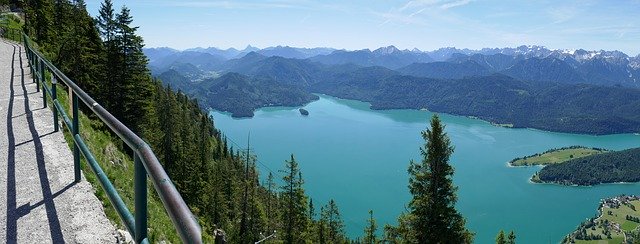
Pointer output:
11, 164
13, 212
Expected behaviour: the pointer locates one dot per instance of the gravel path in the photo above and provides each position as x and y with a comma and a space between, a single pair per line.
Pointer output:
39, 203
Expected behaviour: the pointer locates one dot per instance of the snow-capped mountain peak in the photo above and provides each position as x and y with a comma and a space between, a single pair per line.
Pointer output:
386, 50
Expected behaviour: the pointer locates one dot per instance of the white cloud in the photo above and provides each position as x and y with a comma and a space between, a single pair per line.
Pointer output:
441, 4
231, 4
410, 12
255, 4
562, 14
454, 4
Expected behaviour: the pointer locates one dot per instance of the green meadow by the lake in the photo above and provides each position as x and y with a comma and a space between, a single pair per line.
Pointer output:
614, 221
555, 156
359, 157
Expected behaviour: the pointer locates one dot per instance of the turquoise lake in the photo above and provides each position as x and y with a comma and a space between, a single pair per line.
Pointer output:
359, 157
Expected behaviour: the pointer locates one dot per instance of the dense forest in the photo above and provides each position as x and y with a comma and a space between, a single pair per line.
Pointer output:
242, 95
539, 102
610, 167
220, 183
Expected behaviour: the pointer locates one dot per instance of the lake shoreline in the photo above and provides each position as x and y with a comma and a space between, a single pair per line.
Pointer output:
493, 123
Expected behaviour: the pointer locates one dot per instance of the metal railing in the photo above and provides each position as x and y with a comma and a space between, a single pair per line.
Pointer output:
145, 161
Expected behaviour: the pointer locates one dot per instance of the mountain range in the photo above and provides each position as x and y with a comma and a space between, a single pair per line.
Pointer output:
593, 92
609, 68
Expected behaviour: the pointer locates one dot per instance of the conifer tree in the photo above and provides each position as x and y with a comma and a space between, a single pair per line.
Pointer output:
112, 85
335, 225
270, 203
434, 196
370, 230
322, 227
401, 233
39, 21
80, 53
62, 15
106, 21
500, 238
311, 210
134, 77
511, 239
295, 203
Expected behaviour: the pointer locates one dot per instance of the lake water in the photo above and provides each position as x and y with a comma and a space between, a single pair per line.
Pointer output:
359, 157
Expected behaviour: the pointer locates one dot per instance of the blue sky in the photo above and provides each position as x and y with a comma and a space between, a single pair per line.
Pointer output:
407, 24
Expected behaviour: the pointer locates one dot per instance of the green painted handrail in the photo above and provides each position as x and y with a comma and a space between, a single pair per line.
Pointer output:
145, 161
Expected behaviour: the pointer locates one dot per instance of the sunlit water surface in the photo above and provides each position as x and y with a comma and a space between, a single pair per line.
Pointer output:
359, 157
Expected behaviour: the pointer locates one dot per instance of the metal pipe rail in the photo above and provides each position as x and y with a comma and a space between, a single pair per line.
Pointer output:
145, 161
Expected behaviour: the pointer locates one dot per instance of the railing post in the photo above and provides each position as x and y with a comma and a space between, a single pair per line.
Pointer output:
36, 70
54, 97
76, 131
140, 190
43, 83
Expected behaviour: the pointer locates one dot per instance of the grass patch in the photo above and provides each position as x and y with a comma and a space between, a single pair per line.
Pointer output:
612, 219
618, 215
556, 156
616, 240
502, 125
10, 26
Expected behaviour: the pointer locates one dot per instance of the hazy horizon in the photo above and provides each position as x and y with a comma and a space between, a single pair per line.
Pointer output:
372, 49
354, 25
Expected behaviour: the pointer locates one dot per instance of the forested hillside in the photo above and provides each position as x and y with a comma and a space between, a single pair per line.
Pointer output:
241, 95
219, 183
501, 99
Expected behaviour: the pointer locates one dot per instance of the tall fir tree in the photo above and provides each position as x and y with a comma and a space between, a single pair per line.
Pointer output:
370, 230
271, 216
434, 196
39, 22
335, 225
106, 20
295, 203
80, 54
106, 23
511, 238
500, 238
135, 78
401, 233
322, 227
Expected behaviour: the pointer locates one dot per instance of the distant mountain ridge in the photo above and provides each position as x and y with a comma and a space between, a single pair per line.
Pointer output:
610, 68
566, 91
389, 57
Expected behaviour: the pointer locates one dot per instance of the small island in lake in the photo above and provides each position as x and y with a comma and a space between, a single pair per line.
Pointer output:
618, 220
304, 112
556, 155
606, 167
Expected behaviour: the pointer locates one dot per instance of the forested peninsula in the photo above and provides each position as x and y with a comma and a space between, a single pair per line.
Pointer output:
609, 167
